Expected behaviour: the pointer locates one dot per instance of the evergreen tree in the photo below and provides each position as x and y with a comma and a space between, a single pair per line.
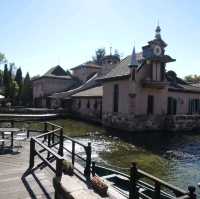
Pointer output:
27, 91
6, 80
19, 81
14, 89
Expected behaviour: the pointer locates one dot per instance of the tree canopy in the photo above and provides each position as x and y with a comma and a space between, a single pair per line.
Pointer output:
99, 55
14, 88
192, 78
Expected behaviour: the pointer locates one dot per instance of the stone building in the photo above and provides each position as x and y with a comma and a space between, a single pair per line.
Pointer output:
87, 73
88, 103
54, 80
138, 94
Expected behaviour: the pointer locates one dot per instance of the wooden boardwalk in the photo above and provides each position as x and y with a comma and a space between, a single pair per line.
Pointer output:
17, 183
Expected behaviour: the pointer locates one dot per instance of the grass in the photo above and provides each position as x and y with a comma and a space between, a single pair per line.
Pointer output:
122, 154
73, 128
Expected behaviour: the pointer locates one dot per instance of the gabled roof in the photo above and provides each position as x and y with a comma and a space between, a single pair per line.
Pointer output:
122, 70
89, 84
92, 92
56, 72
87, 65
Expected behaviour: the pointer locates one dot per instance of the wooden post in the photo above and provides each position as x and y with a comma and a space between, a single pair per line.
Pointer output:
88, 161
73, 152
60, 151
28, 133
12, 123
59, 168
93, 168
45, 130
133, 190
49, 144
192, 193
53, 136
32, 153
157, 190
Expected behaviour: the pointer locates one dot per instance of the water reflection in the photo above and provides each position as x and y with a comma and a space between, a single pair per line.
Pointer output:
181, 152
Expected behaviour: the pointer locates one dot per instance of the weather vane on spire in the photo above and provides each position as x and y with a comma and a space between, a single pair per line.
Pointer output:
158, 30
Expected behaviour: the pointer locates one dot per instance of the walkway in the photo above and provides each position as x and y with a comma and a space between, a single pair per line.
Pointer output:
16, 184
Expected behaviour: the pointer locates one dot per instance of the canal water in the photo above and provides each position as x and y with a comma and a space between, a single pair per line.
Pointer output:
172, 157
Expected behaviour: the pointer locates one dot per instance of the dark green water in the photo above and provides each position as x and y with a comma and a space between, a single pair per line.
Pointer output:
172, 157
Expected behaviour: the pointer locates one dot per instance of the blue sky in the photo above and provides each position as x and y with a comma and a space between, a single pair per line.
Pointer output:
39, 34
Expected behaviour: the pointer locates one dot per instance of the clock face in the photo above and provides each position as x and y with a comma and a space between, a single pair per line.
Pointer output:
157, 50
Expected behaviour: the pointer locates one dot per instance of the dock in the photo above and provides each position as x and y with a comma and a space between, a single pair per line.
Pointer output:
18, 181
33, 169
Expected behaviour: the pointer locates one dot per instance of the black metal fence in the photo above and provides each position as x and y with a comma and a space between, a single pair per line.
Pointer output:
52, 139
159, 188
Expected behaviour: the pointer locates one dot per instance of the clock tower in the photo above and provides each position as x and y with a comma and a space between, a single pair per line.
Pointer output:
155, 58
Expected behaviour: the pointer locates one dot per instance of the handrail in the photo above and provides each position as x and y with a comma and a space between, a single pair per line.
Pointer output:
52, 124
47, 133
49, 141
136, 174
167, 185
57, 156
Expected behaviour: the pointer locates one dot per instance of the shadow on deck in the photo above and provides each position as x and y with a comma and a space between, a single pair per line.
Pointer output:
18, 182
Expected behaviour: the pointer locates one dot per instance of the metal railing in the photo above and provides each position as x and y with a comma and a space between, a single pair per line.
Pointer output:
47, 141
158, 186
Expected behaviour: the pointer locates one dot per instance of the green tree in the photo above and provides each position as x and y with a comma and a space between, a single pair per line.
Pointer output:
2, 58
14, 90
27, 91
192, 78
100, 54
6, 81
19, 81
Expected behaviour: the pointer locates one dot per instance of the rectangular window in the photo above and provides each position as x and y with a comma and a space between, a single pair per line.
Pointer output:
171, 106
116, 98
150, 104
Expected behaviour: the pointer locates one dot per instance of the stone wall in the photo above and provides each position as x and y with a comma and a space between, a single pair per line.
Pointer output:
83, 111
182, 122
151, 123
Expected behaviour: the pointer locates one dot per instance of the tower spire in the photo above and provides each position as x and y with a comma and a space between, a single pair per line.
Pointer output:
133, 62
158, 30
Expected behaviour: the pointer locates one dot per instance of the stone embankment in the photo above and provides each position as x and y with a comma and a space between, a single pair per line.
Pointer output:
172, 123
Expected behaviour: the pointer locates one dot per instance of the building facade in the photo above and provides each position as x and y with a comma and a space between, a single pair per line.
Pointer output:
54, 80
138, 94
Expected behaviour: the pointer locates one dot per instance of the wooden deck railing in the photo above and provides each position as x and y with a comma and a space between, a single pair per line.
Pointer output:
49, 140
158, 186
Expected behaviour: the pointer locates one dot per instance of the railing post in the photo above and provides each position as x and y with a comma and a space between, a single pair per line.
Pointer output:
45, 130
49, 144
192, 193
28, 133
88, 161
93, 168
60, 151
53, 136
73, 152
59, 168
133, 190
12, 123
157, 190
32, 153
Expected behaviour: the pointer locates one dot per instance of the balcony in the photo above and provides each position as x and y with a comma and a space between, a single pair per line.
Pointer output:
147, 83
